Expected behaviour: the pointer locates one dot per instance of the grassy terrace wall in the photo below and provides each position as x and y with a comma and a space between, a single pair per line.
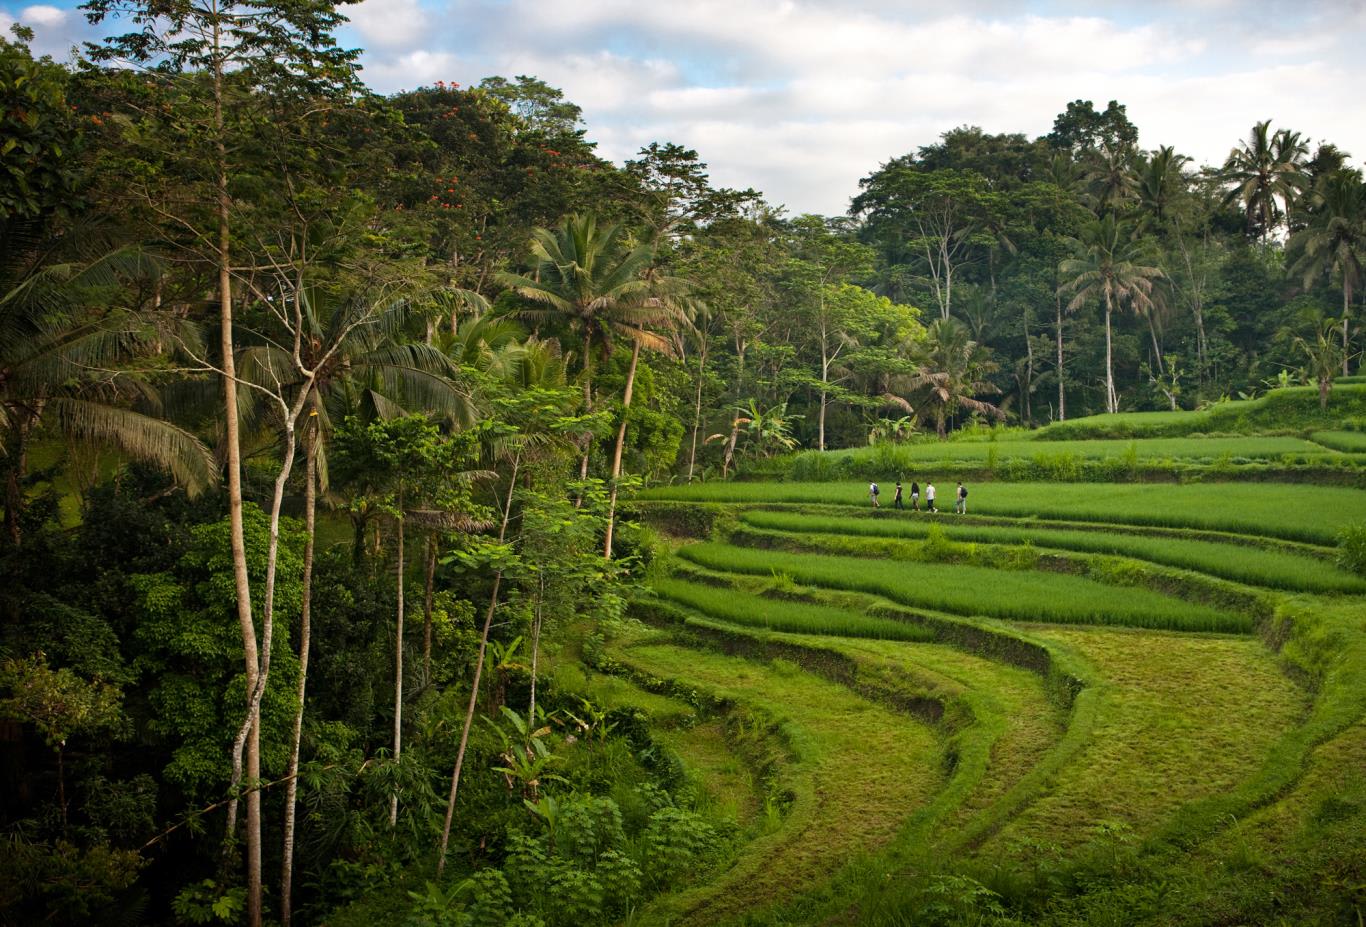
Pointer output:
1310, 514
1095, 588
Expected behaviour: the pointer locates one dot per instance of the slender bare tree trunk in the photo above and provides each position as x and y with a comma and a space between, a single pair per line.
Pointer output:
1346, 307
429, 584
1157, 347
697, 408
478, 671
537, 615
1029, 372
1111, 400
1062, 395
587, 406
305, 635
251, 743
617, 450
398, 661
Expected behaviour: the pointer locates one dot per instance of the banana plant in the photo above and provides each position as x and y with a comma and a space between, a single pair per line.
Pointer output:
526, 758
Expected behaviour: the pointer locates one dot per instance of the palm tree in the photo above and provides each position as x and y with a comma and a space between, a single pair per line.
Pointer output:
58, 374
1160, 179
952, 372
1335, 239
590, 278
1265, 168
1111, 183
1322, 354
1108, 268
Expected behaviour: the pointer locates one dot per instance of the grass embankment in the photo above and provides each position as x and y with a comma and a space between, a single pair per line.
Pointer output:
1194, 448
1002, 717
1178, 718
1293, 408
1239, 562
861, 770
969, 590
755, 611
1352, 442
1297, 512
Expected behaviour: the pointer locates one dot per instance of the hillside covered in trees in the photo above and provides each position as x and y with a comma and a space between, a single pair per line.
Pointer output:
324, 414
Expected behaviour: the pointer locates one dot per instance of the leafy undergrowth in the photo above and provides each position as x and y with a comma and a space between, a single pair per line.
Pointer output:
1239, 562
967, 590
1179, 718
860, 771
1296, 512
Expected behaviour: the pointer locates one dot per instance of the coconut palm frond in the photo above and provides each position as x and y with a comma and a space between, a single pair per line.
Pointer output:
141, 437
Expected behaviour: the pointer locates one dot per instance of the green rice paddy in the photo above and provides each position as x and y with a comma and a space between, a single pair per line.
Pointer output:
971, 590
1239, 562
1297, 512
1085, 723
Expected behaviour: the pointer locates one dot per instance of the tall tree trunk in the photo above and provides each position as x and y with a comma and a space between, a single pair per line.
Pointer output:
537, 615
478, 671
1346, 307
251, 744
587, 406
429, 585
398, 659
1029, 370
620, 445
305, 636
1062, 392
1157, 348
1111, 401
697, 408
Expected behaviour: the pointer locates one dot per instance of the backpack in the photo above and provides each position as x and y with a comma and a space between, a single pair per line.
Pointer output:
965, 492
876, 491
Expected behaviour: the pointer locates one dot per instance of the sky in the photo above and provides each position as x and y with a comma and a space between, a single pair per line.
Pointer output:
802, 99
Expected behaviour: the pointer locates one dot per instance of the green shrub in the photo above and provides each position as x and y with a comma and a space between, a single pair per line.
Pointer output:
1352, 548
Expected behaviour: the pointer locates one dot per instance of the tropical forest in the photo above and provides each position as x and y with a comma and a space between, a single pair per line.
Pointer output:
414, 517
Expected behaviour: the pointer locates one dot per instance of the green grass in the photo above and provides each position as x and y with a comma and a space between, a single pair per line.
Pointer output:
756, 611
1198, 448
858, 771
1296, 512
1352, 442
1296, 407
1238, 562
1179, 719
971, 590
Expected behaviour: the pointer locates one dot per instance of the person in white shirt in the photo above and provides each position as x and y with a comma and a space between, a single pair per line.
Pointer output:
929, 498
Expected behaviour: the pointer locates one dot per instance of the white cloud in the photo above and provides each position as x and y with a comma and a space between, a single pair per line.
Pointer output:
411, 70
389, 23
42, 15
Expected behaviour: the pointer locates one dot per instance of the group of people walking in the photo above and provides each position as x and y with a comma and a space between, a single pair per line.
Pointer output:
960, 503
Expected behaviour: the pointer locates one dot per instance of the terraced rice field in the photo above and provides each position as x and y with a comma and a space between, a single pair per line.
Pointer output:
1191, 448
828, 730
1296, 512
993, 711
1276, 569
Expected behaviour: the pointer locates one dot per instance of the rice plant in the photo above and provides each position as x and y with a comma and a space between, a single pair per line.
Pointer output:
1297, 512
756, 611
1239, 562
971, 590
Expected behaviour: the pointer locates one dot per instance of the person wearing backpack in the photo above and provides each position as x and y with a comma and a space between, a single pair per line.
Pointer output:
872, 493
961, 506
